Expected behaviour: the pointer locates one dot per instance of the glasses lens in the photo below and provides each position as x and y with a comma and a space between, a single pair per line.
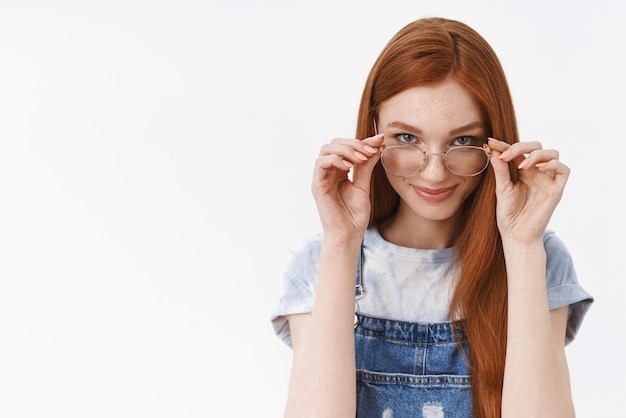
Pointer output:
466, 161
406, 161
402, 161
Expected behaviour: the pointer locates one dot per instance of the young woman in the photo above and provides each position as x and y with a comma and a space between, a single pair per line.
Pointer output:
435, 289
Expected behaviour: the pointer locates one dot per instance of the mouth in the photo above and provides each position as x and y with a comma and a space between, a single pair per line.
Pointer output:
434, 195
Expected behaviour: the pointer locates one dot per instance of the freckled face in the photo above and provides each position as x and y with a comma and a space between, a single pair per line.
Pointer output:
434, 118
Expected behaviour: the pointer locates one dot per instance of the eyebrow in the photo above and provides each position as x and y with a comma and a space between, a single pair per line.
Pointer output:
455, 131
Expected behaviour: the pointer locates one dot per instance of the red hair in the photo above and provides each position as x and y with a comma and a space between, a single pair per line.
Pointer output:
424, 52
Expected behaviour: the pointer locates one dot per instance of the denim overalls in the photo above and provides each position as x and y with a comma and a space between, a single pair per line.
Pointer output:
409, 370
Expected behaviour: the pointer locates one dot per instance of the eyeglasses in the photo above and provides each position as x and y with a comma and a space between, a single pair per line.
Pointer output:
409, 160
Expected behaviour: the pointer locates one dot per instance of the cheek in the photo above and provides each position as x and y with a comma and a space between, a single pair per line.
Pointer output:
395, 182
471, 185
473, 182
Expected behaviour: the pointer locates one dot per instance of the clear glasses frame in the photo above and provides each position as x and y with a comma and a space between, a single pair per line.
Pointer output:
412, 148
427, 155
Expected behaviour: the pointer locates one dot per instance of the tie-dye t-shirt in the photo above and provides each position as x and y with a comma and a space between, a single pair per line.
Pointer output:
415, 285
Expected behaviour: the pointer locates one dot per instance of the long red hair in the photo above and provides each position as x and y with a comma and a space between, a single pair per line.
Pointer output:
424, 52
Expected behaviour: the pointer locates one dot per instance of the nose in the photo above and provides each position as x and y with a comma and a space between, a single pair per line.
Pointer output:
435, 168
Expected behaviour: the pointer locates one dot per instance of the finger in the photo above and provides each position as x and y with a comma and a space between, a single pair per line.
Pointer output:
351, 150
374, 141
500, 167
349, 155
363, 173
368, 146
516, 152
520, 149
333, 161
554, 165
329, 170
498, 145
537, 157
561, 171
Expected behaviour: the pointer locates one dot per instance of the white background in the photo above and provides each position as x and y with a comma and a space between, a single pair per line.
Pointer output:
155, 162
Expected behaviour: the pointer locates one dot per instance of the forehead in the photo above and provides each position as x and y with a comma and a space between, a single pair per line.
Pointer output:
444, 105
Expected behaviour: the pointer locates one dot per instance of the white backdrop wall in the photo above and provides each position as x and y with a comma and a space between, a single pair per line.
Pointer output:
155, 162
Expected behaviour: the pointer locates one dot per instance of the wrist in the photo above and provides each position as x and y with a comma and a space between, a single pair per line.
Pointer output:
524, 259
342, 244
342, 241
522, 243
524, 252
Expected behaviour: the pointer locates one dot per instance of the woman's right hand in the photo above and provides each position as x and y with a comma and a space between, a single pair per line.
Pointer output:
344, 204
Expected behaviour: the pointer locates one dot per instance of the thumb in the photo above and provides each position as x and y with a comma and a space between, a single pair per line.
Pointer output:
500, 170
363, 172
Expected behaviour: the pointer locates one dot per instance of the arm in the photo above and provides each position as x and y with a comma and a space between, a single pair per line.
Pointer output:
323, 375
536, 377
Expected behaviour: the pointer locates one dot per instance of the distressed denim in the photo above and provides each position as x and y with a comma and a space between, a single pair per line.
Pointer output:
412, 370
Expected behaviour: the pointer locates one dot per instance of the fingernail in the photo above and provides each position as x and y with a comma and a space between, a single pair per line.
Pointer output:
505, 155
348, 164
369, 149
523, 164
360, 156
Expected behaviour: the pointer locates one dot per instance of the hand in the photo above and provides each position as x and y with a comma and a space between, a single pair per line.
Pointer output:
524, 208
343, 204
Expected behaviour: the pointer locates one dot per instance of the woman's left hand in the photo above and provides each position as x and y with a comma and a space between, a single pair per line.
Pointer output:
524, 207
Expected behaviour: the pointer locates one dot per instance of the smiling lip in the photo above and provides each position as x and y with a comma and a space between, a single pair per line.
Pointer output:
434, 195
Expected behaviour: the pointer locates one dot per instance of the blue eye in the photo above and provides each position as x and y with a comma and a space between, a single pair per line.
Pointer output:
406, 138
465, 140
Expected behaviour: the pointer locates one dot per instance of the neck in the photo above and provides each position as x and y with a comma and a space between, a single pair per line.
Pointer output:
412, 232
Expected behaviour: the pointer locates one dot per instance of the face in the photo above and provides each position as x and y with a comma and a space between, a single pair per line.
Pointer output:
434, 118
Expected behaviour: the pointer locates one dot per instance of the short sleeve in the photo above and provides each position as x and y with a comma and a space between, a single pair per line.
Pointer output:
562, 285
300, 281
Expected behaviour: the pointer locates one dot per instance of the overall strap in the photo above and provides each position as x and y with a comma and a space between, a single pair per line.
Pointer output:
359, 291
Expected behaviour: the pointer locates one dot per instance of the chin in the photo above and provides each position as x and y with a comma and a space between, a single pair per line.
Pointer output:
438, 215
